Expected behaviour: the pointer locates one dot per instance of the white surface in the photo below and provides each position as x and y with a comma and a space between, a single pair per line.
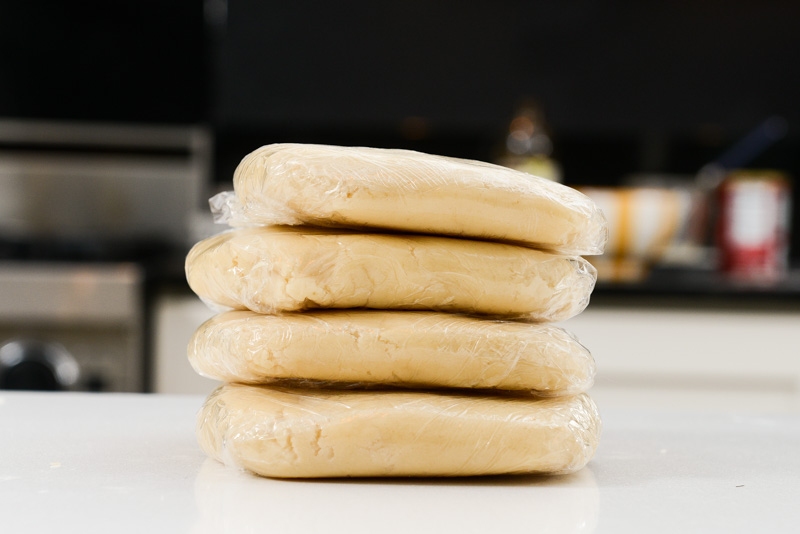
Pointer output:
673, 357
129, 463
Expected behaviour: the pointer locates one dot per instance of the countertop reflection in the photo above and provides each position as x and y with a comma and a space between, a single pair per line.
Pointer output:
79, 462
233, 501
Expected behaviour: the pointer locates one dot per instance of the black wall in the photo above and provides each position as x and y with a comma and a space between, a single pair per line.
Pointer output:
120, 60
597, 66
661, 86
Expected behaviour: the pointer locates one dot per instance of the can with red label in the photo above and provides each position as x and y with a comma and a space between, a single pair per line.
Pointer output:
752, 234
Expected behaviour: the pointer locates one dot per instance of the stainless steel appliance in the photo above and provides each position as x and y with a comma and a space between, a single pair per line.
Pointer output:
86, 212
101, 182
89, 314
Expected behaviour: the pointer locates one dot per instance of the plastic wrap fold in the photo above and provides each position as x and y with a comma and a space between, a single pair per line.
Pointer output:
276, 269
301, 433
401, 348
409, 191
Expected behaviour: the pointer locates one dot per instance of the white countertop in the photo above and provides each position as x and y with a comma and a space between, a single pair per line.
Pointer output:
129, 463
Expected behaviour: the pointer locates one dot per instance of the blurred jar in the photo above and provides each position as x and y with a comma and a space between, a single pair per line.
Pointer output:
753, 226
528, 146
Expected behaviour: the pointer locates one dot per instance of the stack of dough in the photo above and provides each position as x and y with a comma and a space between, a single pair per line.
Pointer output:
388, 313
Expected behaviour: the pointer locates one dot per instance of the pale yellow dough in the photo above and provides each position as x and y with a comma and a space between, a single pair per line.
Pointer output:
413, 192
327, 433
275, 269
400, 348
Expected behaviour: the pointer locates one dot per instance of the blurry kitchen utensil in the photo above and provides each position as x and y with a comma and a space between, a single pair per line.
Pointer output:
743, 152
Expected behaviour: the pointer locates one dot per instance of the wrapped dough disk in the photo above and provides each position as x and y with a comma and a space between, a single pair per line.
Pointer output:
402, 348
410, 191
275, 269
296, 433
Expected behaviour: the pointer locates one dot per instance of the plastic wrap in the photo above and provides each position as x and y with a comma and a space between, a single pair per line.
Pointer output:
409, 349
299, 433
410, 191
276, 269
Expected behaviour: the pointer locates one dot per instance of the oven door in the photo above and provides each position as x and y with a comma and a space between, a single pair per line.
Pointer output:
72, 327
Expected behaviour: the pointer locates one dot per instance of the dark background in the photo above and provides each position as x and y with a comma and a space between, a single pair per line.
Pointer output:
627, 87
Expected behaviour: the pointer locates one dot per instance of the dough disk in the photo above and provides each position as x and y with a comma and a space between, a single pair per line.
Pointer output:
410, 191
274, 269
327, 433
402, 348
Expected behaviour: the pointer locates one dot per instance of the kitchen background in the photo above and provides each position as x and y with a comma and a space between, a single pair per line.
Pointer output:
119, 119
